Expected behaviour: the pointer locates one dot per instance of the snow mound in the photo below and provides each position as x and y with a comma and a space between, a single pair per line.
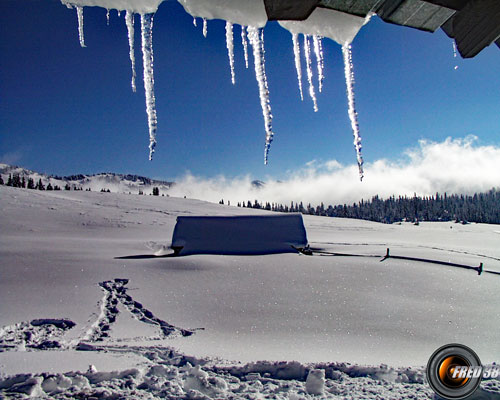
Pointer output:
249, 234
315, 383
166, 377
139, 7
243, 12
41, 334
336, 25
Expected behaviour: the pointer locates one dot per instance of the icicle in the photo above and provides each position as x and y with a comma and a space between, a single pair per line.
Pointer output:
79, 13
320, 41
107, 16
455, 54
129, 20
194, 21
230, 49
205, 27
307, 52
119, 12
244, 42
147, 60
257, 43
298, 67
318, 52
353, 116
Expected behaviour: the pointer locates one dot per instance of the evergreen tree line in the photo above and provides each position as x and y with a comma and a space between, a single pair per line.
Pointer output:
21, 182
480, 207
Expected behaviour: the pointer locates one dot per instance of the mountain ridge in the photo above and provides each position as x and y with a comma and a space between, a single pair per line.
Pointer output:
114, 182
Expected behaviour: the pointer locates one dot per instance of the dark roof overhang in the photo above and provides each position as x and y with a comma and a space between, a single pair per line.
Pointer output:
474, 24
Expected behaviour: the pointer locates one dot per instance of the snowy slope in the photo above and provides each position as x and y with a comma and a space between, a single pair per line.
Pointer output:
59, 266
117, 183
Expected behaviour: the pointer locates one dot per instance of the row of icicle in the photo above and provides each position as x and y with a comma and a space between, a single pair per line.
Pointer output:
254, 36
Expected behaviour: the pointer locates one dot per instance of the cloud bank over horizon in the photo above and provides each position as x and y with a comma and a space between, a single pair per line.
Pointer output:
452, 166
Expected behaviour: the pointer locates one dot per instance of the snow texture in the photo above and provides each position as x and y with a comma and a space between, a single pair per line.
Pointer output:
115, 293
336, 25
129, 20
307, 54
369, 325
257, 42
149, 82
167, 374
353, 115
298, 66
41, 334
239, 235
230, 49
242, 12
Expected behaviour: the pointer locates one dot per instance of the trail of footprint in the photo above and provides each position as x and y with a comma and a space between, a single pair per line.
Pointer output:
107, 316
47, 333
116, 291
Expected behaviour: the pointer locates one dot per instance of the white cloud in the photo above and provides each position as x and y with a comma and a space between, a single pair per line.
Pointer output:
452, 166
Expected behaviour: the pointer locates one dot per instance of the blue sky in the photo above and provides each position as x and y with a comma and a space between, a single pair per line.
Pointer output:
66, 109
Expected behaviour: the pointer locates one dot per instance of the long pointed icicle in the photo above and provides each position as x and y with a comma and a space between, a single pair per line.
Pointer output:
107, 16
256, 41
230, 49
353, 115
79, 13
149, 82
269, 138
129, 20
318, 52
244, 42
205, 27
298, 67
455, 54
307, 52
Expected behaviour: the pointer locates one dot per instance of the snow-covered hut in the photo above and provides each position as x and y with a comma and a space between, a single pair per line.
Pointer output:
244, 235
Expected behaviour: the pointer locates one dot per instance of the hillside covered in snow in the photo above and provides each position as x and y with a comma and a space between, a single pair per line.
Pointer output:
116, 183
88, 310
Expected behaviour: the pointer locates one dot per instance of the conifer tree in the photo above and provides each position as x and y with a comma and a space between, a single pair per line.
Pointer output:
16, 182
31, 183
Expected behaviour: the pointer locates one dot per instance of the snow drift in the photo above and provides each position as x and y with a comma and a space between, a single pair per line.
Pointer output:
248, 234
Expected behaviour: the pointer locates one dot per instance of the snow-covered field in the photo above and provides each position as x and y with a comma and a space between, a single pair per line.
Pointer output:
79, 321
